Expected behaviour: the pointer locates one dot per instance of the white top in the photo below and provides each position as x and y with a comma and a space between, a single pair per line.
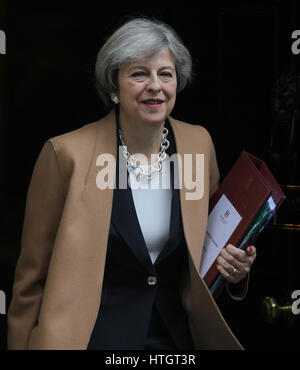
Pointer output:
152, 200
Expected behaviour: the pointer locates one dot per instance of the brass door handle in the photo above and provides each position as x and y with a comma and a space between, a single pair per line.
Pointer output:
273, 313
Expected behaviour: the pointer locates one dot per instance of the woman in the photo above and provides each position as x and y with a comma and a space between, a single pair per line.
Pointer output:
104, 265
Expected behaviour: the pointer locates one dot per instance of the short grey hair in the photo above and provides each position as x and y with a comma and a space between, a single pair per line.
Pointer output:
139, 39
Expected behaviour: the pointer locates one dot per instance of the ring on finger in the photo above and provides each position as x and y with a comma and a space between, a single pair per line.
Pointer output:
233, 272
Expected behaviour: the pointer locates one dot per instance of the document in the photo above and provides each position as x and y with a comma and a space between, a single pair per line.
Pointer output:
222, 222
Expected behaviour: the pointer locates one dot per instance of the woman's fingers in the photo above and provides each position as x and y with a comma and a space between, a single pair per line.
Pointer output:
233, 277
234, 263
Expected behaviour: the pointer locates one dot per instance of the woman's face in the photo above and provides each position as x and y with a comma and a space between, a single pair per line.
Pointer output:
147, 89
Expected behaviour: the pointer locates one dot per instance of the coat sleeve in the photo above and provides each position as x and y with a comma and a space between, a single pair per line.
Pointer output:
44, 204
236, 291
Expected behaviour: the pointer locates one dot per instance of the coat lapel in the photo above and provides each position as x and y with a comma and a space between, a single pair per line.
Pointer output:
125, 219
194, 212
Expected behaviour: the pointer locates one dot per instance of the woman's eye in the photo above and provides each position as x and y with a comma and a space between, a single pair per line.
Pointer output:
139, 74
166, 74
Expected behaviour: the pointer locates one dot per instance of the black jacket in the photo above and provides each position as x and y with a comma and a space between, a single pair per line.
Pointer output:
140, 303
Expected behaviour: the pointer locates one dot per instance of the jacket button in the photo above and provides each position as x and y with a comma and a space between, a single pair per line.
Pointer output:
151, 280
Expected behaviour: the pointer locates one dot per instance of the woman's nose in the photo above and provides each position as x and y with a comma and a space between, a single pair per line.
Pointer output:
154, 84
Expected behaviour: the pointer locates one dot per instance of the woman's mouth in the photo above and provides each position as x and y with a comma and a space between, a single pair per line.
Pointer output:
153, 103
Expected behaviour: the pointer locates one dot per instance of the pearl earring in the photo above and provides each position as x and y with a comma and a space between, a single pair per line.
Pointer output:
116, 100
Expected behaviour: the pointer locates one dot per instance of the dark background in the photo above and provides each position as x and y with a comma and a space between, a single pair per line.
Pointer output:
240, 51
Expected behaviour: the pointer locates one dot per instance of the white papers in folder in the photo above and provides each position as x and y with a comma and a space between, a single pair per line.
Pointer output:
221, 223
271, 203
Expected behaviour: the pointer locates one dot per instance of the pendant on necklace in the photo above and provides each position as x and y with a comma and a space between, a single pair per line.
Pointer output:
146, 178
137, 171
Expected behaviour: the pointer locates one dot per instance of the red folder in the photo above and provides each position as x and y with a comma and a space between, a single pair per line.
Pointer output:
248, 185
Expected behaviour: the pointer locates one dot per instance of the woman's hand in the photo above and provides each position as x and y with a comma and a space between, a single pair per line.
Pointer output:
234, 263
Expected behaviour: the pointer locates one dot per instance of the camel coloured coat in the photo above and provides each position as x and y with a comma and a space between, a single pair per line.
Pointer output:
56, 292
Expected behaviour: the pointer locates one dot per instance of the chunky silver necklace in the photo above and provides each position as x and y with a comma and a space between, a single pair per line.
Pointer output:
147, 175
